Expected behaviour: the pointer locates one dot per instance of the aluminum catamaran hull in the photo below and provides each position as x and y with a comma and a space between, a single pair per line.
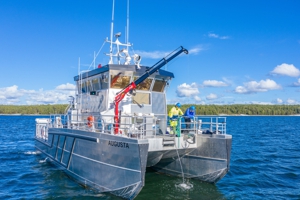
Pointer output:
117, 164
104, 162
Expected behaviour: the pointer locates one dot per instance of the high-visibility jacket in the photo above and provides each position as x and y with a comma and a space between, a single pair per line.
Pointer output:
174, 113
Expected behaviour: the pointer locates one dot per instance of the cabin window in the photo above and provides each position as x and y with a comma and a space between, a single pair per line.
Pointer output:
104, 81
145, 85
118, 81
78, 86
159, 86
141, 98
95, 83
83, 87
89, 86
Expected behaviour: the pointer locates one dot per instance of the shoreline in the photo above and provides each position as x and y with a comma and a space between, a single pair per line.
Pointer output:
27, 114
221, 115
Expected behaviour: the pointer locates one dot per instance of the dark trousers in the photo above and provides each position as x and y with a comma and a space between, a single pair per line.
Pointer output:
187, 122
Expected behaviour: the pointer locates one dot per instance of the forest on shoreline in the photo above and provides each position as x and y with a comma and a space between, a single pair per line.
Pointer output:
33, 109
243, 109
235, 109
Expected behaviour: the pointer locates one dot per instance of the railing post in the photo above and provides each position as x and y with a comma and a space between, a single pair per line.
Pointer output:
217, 126
178, 127
199, 124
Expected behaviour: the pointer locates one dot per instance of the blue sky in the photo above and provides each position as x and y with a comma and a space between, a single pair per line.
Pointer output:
241, 52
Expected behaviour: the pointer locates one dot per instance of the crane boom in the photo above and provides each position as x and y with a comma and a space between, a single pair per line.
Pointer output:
144, 76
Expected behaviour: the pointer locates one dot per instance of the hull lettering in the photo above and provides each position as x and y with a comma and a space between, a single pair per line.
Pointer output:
118, 144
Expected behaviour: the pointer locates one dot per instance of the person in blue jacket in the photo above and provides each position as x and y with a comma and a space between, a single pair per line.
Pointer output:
189, 115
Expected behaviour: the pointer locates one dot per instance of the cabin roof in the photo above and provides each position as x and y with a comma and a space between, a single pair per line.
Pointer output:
133, 68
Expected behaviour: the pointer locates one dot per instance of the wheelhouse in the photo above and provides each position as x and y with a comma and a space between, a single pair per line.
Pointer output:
100, 85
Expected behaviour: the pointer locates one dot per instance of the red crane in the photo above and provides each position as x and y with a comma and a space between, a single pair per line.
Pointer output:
133, 84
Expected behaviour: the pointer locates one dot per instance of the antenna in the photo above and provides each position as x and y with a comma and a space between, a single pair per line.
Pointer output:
78, 74
94, 59
127, 34
111, 32
80, 85
78, 65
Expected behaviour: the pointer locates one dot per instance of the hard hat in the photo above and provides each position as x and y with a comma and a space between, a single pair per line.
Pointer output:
178, 105
192, 107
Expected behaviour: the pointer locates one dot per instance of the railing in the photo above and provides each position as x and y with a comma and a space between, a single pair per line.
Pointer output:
41, 129
136, 126
203, 125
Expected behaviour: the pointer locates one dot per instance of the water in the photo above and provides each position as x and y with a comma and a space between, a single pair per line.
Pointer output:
265, 164
183, 185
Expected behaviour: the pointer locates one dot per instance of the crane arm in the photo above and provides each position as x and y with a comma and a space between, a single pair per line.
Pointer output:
144, 76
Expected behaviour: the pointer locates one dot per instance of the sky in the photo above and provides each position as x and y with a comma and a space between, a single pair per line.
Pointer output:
240, 52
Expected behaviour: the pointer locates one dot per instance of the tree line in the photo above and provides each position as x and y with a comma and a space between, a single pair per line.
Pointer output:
33, 109
243, 109
235, 109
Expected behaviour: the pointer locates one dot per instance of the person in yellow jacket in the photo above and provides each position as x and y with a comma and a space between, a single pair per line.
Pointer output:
174, 113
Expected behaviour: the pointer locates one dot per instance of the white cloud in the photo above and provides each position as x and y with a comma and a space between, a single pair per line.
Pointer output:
197, 98
286, 70
10, 95
152, 55
287, 102
214, 83
185, 90
279, 101
211, 96
161, 54
261, 86
50, 97
241, 90
261, 103
67, 86
213, 35
14, 95
297, 84
291, 101
195, 50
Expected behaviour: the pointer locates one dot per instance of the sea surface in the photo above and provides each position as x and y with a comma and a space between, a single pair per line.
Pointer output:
265, 164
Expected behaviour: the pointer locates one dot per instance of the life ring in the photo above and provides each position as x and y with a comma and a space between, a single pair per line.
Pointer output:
90, 120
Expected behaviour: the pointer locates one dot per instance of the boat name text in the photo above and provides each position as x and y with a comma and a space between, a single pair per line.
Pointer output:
118, 144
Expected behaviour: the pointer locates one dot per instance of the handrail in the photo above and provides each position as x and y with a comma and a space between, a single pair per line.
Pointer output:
134, 126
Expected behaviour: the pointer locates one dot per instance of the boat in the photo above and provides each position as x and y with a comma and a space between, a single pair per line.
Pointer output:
116, 126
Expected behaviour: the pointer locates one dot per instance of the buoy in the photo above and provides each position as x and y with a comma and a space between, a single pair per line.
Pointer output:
90, 120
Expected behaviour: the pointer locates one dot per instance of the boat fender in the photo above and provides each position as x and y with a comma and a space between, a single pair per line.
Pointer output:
43, 131
191, 139
207, 132
90, 120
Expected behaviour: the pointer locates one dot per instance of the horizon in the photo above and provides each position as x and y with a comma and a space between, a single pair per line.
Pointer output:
239, 52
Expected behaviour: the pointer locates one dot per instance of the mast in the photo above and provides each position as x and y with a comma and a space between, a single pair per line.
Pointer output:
127, 31
121, 54
111, 33
79, 89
